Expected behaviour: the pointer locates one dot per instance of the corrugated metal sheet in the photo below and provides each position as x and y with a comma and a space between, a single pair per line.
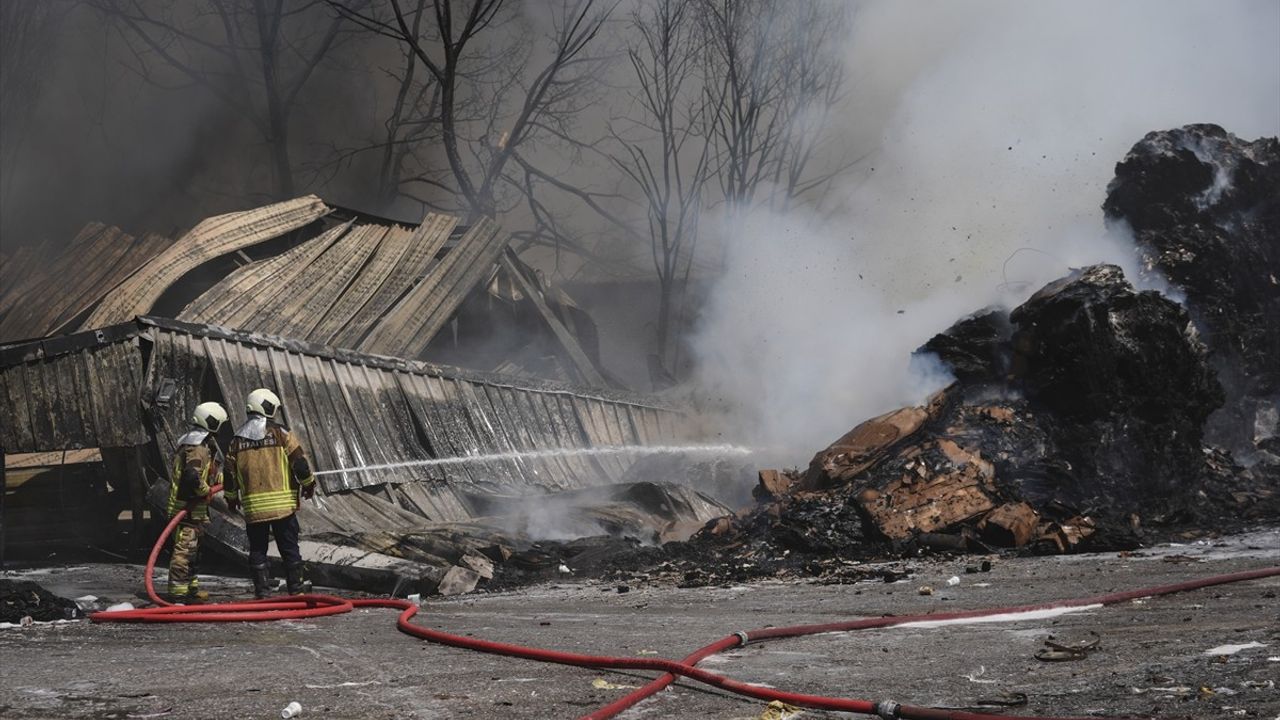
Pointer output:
355, 410
212, 238
408, 328
78, 391
367, 284
224, 303
43, 295
349, 409
353, 281
422, 247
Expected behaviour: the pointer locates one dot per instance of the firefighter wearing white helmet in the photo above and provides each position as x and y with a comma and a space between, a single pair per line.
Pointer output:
268, 473
197, 465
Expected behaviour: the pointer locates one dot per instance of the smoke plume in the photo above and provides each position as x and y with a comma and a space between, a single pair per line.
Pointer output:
991, 127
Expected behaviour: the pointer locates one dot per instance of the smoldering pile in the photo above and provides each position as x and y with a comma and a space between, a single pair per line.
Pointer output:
1093, 416
22, 601
1204, 207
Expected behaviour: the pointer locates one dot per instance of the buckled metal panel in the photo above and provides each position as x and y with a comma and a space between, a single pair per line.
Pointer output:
86, 397
212, 238
355, 414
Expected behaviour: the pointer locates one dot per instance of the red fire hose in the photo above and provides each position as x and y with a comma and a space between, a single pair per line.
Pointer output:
307, 606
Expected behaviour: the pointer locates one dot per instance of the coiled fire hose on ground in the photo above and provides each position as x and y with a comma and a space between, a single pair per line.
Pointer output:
310, 606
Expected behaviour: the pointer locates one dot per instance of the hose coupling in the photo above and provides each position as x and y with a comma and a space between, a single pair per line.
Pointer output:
888, 709
742, 638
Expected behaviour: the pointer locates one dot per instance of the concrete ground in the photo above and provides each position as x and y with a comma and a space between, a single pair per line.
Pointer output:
1151, 660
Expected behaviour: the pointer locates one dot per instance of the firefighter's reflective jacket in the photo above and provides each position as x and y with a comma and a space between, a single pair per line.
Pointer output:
196, 466
266, 467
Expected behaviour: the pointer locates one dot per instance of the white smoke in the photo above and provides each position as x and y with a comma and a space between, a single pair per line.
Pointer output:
994, 126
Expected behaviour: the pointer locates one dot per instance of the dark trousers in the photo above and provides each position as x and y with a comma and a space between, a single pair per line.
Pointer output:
285, 531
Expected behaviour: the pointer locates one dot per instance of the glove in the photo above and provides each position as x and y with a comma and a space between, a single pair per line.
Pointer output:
308, 491
233, 504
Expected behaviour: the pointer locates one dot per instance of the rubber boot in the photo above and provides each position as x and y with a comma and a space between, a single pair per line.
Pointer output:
296, 584
261, 583
196, 594
192, 596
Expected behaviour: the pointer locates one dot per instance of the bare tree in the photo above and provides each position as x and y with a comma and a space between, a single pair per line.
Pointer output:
255, 56
774, 76
499, 92
670, 162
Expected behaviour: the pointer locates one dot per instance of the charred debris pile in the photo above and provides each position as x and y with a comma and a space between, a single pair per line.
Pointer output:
22, 602
1093, 416
1204, 207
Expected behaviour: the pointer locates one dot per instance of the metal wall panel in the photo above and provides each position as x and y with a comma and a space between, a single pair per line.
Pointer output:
349, 410
85, 398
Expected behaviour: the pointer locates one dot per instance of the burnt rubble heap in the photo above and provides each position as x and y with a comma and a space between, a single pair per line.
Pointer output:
20, 599
1204, 207
1092, 416
1077, 420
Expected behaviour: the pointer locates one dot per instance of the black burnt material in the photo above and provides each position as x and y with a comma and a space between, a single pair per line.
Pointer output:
1087, 403
975, 348
1123, 379
21, 598
1204, 206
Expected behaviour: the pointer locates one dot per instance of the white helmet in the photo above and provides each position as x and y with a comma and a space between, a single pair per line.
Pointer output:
264, 402
209, 416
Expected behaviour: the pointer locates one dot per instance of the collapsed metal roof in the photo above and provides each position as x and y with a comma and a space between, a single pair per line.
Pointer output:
44, 297
319, 273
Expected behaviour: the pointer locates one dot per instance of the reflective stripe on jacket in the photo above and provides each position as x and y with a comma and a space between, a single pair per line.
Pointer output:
193, 467
264, 474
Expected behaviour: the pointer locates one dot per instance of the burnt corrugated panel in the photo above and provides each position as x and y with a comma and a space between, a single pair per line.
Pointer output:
427, 240
356, 410
15, 270
495, 473
358, 510
55, 291
441, 421
508, 417
365, 286
414, 321
212, 238
338, 410
16, 433
601, 433
262, 311
311, 293
68, 401
530, 411
570, 433
128, 263
44, 293
33, 269
177, 370
365, 438
234, 299
503, 435
435, 500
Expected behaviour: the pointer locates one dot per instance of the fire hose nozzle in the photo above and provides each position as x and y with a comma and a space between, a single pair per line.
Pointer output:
888, 709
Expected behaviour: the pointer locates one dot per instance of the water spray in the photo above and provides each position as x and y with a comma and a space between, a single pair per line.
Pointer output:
602, 450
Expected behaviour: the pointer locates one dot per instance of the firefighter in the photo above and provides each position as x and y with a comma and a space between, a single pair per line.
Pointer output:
197, 465
267, 471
